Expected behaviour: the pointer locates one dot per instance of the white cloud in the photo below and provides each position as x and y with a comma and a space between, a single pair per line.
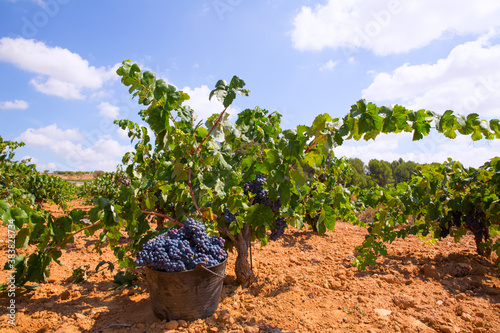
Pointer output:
50, 134
389, 26
77, 151
107, 110
384, 145
29, 159
51, 166
59, 71
433, 148
202, 106
41, 3
16, 104
466, 81
329, 66
122, 134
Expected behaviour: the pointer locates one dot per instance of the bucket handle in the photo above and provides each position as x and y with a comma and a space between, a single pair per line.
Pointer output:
208, 270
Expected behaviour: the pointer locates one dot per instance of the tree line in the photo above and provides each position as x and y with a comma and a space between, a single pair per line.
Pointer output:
379, 172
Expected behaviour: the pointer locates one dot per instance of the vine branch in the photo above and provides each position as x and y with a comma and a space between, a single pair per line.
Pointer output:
314, 143
215, 124
192, 195
76, 232
164, 216
226, 232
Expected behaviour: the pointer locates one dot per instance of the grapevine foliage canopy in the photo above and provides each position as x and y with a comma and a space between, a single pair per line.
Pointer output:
440, 200
181, 168
213, 162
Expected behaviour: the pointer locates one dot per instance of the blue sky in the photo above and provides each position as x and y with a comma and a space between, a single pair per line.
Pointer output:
59, 92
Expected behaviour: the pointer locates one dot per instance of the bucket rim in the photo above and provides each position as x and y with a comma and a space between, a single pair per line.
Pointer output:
198, 267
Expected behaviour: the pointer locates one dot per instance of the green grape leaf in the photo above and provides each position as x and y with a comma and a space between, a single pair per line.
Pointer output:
259, 215
22, 238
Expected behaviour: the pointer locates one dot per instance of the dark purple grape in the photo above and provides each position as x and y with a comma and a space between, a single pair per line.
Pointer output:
279, 230
182, 249
228, 217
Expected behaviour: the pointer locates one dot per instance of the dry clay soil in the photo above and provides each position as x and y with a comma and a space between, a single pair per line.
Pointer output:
304, 283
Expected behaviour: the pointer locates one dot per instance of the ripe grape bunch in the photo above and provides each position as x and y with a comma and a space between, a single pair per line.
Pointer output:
229, 217
280, 229
182, 249
121, 179
256, 187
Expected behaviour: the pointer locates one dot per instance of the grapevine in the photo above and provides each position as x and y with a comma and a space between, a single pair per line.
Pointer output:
250, 180
442, 200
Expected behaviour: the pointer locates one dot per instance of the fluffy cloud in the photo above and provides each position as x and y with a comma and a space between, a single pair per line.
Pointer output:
107, 110
389, 26
467, 80
49, 166
122, 134
202, 106
38, 2
433, 148
40, 166
59, 72
50, 134
329, 66
76, 150
16, 104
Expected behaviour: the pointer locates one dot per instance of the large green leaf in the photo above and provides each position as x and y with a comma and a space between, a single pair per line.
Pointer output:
259, 215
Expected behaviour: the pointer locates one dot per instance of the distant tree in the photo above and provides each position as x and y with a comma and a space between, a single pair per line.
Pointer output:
381, 172
98, 173
401, 170
359, 178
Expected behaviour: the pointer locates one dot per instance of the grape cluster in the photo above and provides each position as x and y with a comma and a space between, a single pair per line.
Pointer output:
261, 197
279, 230
445, 231
255, 186
228, 217
472, 222
182, 249
121, 179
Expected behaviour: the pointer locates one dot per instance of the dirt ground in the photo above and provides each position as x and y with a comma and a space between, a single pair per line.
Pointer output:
305, 283
89, 176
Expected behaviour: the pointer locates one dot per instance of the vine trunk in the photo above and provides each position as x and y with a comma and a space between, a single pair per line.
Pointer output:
243, 268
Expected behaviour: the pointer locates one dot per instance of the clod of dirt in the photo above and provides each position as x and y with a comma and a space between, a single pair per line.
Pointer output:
172, 325
65, 295
431, 272
467, 317
447, 329
251, 329
389, 278
404, 301
382, 312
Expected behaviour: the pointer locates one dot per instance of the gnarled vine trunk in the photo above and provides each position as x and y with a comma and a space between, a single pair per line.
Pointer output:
160, 222
243, 268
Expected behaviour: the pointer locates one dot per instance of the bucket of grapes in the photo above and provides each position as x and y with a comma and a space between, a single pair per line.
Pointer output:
185, 269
